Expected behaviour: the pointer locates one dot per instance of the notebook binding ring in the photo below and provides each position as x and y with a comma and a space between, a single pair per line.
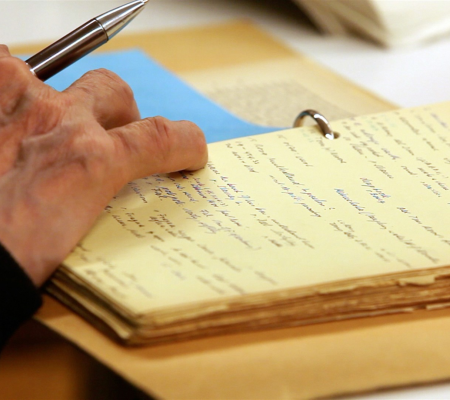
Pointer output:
323, 123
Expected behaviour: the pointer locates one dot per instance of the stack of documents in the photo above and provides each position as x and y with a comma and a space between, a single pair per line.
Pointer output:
390, 23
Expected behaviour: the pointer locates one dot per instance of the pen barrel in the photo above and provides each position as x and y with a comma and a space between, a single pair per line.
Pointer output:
67, 50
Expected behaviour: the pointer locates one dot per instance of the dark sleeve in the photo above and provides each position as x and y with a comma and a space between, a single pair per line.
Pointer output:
19, 298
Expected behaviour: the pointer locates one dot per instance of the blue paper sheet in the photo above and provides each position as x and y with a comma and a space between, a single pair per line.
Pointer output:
160, 92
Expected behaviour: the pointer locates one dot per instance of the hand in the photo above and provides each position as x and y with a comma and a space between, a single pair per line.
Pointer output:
63, 156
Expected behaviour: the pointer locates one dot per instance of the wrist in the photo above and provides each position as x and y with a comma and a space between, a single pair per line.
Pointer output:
23, 235
26, 257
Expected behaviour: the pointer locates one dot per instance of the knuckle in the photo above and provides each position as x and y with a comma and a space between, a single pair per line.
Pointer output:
162, 135
4, 49
157, 138
14, 68
114, 82
100, 75
15, 79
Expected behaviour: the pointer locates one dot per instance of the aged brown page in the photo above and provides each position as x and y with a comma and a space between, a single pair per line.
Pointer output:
272, 92
198, 56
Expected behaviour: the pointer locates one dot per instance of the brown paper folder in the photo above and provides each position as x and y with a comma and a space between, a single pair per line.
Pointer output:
197, 48
297, 363
304, 362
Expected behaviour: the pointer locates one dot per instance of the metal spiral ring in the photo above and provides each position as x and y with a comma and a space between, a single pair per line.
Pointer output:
323, 123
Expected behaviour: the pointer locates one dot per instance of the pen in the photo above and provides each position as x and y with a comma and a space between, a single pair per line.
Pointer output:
83, 40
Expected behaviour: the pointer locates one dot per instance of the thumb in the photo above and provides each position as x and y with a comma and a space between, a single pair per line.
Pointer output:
158, 145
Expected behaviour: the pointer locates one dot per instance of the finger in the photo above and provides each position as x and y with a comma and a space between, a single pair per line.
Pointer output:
107, 96
17, 63
15, 79
157, 145
4, 51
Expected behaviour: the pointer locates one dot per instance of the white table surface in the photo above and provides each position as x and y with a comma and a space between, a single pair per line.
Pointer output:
407, 77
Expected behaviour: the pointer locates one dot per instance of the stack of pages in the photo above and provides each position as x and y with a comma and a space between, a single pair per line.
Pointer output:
280, 229
390, 23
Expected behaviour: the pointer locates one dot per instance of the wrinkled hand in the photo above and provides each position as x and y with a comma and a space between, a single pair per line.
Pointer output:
63, 156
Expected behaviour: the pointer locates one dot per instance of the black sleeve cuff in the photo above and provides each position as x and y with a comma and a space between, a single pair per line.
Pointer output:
19, 298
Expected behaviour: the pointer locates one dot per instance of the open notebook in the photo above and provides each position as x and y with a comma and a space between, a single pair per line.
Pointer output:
280, 229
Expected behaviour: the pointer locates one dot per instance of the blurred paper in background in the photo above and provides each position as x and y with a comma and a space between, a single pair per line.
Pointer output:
388, 22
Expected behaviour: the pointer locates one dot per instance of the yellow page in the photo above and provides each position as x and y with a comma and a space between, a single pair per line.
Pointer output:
273, 92
279, 211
